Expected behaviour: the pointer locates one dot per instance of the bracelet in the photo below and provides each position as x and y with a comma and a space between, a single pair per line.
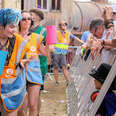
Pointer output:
103, 42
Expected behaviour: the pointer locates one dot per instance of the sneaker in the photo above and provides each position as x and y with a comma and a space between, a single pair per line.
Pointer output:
57, 83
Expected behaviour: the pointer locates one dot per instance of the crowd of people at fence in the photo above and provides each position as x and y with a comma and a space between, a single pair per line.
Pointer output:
28, 54
100, 39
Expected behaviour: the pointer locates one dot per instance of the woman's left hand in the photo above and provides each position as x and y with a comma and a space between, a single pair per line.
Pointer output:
24, 62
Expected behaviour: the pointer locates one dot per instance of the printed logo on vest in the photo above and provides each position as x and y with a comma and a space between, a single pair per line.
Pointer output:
65, 41
9, 71
33, 49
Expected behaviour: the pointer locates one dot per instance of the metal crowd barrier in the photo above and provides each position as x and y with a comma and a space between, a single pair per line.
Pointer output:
50, 67
82, 86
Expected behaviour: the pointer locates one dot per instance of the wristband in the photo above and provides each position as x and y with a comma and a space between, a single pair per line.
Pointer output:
103, 42
82, 51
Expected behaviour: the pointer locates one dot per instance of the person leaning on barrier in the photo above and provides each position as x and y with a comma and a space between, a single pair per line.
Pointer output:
60, 50
108, 105
108, 16
108, 35
97, 29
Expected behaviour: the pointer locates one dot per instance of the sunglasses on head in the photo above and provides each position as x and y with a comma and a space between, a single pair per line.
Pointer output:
109, 26
24, 19
114, 12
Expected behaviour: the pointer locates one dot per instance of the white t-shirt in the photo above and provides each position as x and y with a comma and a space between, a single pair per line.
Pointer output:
114, 25
105, 55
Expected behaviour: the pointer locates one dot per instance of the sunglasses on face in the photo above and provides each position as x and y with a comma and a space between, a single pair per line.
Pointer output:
63, 25
24, 19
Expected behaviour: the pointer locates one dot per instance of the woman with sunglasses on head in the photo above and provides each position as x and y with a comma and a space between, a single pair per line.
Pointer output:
12, 79
33, 72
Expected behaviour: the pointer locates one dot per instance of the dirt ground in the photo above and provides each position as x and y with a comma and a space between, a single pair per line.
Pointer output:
54, 98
